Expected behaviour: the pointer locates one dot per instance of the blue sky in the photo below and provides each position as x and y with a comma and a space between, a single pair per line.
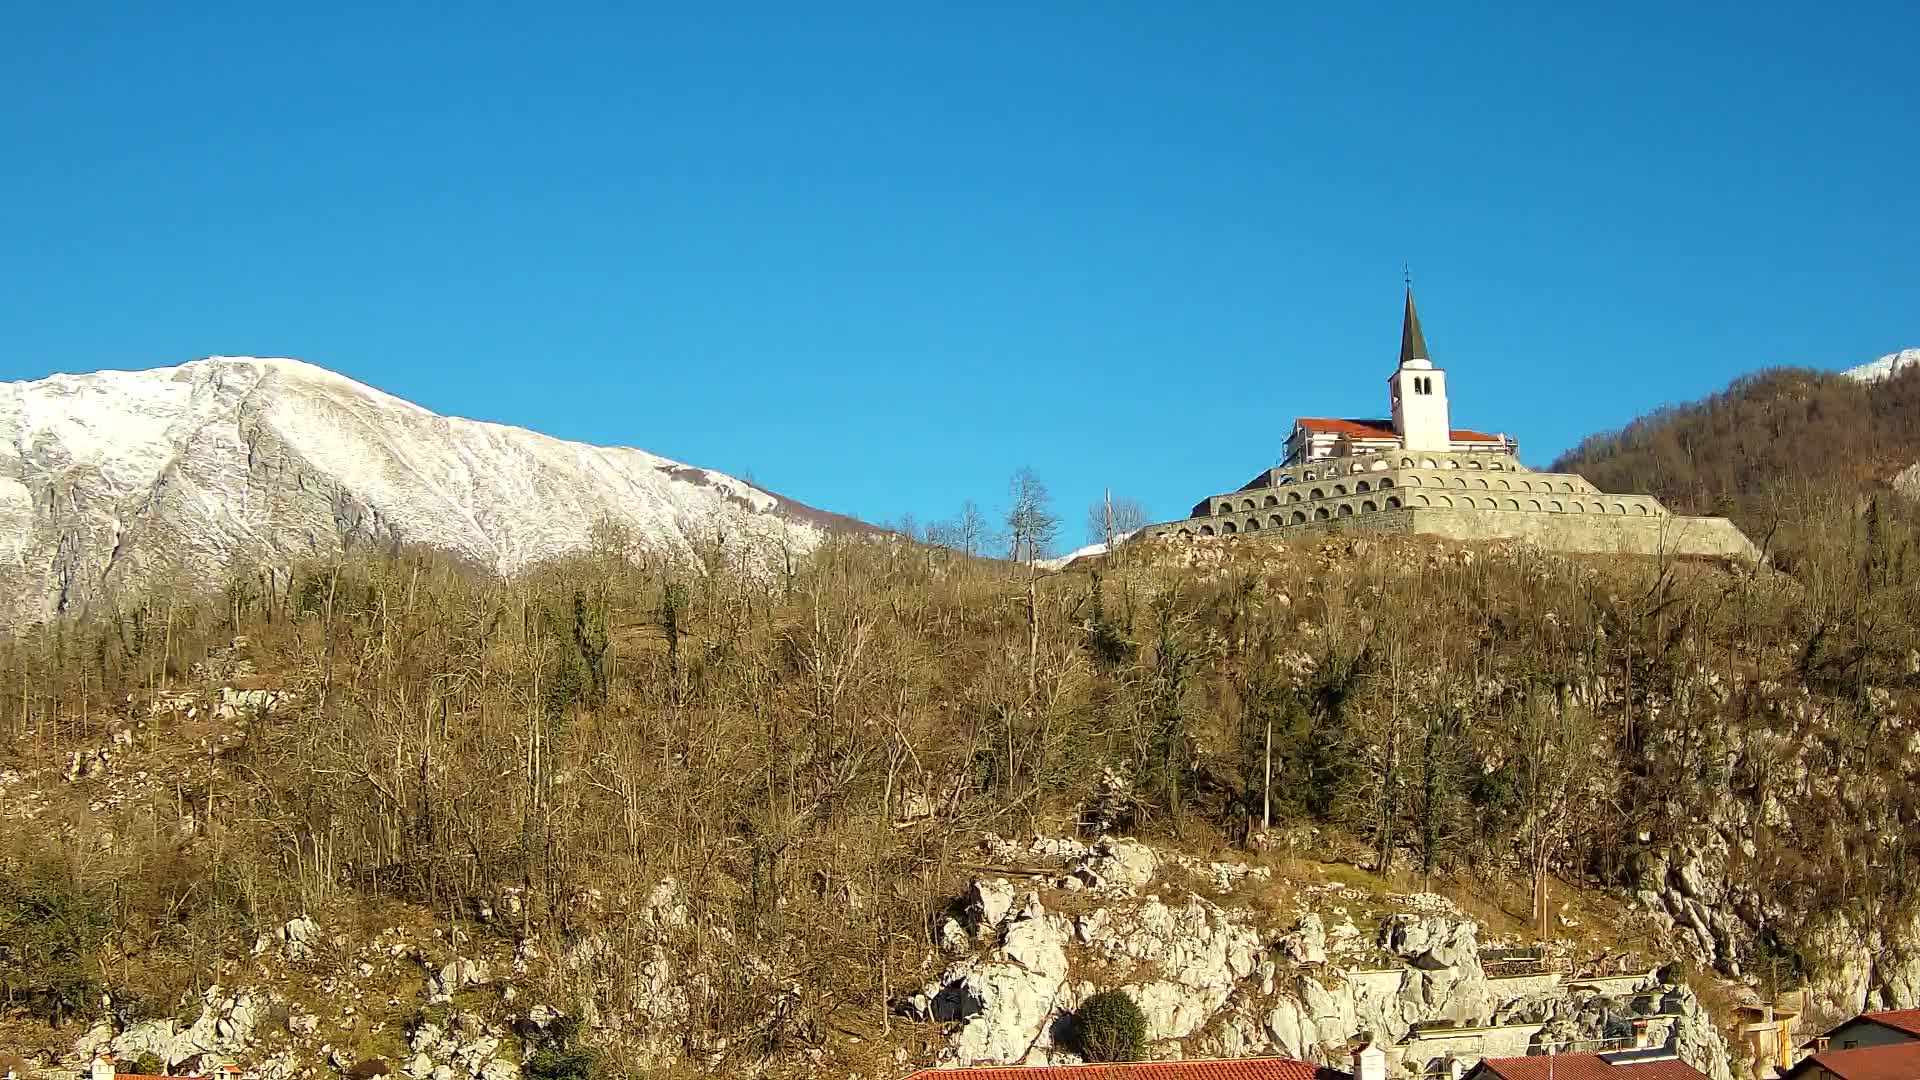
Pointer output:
877, 257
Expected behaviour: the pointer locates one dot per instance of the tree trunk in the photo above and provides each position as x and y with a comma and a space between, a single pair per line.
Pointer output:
1266, 789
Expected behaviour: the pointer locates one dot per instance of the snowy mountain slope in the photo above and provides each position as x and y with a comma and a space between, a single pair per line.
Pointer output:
1885, 366
119, 480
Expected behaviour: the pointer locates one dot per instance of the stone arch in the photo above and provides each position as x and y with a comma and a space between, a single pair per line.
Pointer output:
1339, 489
1495, 466
1575, 507
1451, 464
1346, 509
1321, 514
1504, 486
1367, 507
1378, 464
1406, 463
1275, 521
1316, 493
1226, 507
1413, 480
1599, 508
1307, 476
1472, 464
1186, 534
1362, 488
1510, 504
1459, 481
1533, 504
1619, 508
1228, 528
1206, 530
1443, 500
1393, 502
1490, 504
1422, 500
1253, 524
1293, 496
1428, 463
1640, 508
1272, 500
1555, 506
1386, 482
1566, 485
1481, 483
1246, 504
1299, 517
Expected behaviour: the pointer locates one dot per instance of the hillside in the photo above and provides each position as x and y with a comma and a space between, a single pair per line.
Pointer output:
118, 482
1772, 449
735, 824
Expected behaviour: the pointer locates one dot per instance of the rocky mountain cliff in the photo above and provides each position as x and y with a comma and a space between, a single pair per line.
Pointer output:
119, 481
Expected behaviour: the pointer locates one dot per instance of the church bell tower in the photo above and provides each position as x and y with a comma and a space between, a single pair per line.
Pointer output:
1419, 391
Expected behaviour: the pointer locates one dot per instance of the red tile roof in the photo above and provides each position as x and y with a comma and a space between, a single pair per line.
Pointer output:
1907, 1020
1586, 1067
1896, 1061
1235, 1069
1378, 429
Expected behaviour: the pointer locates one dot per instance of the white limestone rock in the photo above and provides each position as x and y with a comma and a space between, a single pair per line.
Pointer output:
1005, 1001
1116, 867
1307, 943
989, 902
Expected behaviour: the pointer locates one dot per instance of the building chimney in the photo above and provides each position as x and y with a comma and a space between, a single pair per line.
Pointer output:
1369, 1062
102, 1067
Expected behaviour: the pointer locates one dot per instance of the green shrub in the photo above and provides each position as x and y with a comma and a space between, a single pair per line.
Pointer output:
1110, 1027
572, 1064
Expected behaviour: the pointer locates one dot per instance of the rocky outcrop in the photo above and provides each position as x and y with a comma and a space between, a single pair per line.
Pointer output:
1212, 981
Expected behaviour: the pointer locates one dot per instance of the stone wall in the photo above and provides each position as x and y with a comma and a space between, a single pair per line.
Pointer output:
1593, 534
1461, 496
1604, 534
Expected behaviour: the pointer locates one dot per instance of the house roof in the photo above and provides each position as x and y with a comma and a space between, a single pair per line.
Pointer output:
1232, 1069
1895, 1061
1586, 1067
1377, 429
1907, 1020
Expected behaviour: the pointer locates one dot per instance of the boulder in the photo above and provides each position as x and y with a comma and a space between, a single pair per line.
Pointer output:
1307, 944
989, 902
1004, 1001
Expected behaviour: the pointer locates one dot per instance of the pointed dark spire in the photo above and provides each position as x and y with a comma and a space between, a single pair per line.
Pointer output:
1413, 344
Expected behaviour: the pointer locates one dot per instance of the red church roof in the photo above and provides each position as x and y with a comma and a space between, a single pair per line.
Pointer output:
1378, 429
1238, 1069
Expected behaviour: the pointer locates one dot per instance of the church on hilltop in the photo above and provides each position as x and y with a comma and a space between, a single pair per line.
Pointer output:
1414, 472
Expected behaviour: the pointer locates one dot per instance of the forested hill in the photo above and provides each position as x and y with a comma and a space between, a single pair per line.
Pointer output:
1768, 450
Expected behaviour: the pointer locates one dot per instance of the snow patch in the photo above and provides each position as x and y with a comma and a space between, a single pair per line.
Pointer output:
1886, 366
187, 469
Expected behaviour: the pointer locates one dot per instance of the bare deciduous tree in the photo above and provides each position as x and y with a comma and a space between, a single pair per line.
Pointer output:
1110, 519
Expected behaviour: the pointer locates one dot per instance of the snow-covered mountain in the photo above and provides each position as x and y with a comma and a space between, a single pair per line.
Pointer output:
1886, 365
120, 480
